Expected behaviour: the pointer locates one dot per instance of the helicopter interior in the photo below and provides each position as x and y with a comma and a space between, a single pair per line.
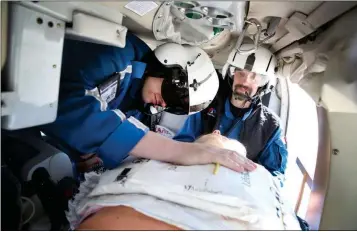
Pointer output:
314, 92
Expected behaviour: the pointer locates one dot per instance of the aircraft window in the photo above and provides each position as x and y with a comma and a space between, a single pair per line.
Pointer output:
302, 141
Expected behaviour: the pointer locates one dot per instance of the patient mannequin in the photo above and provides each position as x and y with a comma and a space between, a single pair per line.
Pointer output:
127, 218
217, 140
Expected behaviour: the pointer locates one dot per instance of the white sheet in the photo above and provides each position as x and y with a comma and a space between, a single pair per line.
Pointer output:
190, 196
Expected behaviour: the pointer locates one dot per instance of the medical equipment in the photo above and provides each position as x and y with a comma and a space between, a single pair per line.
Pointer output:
198, 22
31, 76
202, 15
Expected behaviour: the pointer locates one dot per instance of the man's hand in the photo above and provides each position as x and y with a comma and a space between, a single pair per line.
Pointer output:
157, 147
195, 153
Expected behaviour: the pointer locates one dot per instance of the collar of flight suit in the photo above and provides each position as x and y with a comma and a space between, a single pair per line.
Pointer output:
229, 114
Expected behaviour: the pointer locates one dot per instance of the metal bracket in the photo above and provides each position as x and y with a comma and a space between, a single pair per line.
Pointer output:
249, 22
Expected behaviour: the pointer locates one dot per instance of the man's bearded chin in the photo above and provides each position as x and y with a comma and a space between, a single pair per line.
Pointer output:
241, 96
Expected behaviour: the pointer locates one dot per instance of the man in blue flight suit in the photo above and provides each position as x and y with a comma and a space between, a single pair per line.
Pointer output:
105, 90
241, 115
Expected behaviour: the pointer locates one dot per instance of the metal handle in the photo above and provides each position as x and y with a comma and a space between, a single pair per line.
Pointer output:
248, 23
266, 38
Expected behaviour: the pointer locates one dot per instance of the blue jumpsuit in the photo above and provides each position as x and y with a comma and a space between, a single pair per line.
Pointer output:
88, 124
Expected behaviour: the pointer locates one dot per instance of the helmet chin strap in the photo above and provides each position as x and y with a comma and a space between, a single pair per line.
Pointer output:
150, 110
246, 99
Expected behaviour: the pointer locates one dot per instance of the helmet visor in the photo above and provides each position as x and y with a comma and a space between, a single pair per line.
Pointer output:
175, 92
259, 79
199, 107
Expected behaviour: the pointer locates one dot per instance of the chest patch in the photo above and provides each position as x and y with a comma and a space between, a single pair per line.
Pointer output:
212, 112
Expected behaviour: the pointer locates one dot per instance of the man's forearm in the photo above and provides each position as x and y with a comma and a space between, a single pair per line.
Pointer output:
157, 147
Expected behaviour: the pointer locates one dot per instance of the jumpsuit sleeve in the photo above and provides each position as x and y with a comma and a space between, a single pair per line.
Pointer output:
87, 129
83, 124
140, 47
275, 154
190, 130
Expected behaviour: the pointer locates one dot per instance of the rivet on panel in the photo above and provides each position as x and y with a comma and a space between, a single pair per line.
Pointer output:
58, 25
39, 20
54, 66
50, 24
335, 151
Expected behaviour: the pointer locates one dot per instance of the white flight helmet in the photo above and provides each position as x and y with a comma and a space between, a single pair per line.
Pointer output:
190, 79
262, 62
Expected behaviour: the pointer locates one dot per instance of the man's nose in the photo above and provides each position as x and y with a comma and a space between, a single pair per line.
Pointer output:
216, 132
244, 78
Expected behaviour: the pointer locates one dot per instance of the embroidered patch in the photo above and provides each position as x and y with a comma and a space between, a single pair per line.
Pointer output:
212, 112
108, 90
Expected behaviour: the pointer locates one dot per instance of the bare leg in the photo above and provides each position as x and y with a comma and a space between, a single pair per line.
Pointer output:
123, 218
